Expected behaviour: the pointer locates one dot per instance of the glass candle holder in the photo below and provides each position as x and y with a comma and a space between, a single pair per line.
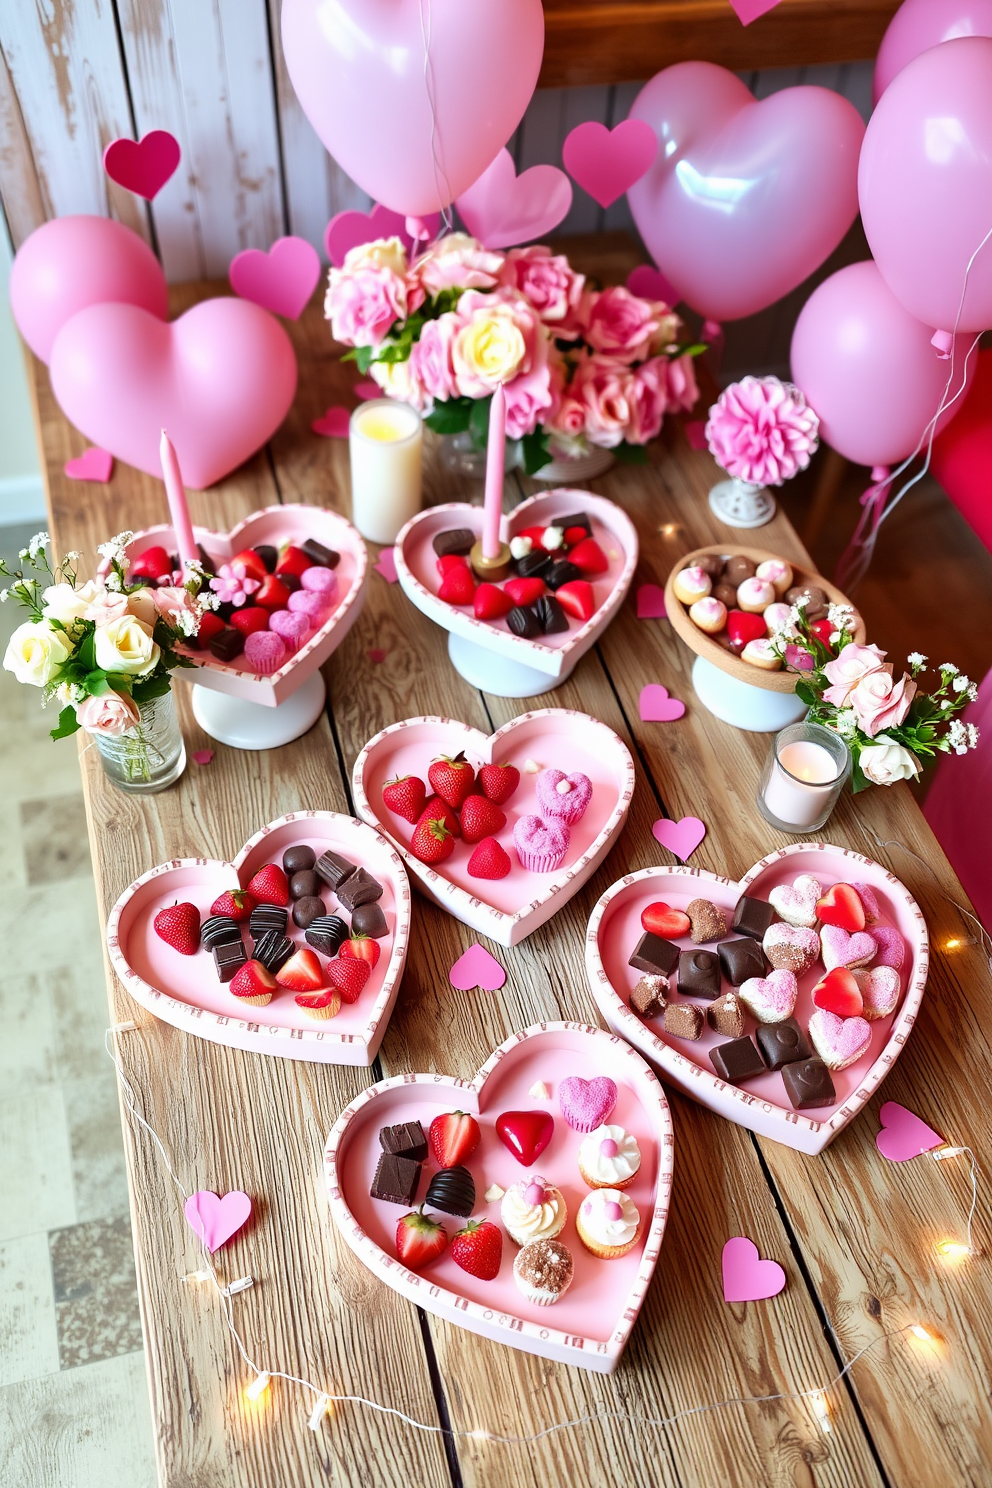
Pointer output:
804, 775
386, 441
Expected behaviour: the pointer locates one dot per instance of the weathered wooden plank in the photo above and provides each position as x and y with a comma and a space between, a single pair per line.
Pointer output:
21, 191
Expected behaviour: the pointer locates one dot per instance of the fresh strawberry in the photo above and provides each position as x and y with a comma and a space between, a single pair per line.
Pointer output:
326, 1004
478, 1249
575, 535
489, 860
253, 983
432, 841
453, 1138
236, 904
841, 906
668, 923
524, 591
434, 806
448, 561
498, 781
361, 948
480, 818
405, 795
210, 625
273, 595
293, 561
452, 778
254, 567
577, 599
153, 563
270, 886
419, 1239
823, 630
348, 977
457, 586
249, 619
491, 603
839, 993
301, 973
589, 557
179, 927
536, 535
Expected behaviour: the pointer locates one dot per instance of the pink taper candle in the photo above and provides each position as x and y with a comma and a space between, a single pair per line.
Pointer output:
178, 509
494, 475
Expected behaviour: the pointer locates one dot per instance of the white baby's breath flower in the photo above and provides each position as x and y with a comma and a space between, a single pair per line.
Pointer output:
4, 595
916, 659
960, 684
113, 582
187, 622
37, 545
845, 723
957, 736
972, 735
972, 693
23, 555
949, 668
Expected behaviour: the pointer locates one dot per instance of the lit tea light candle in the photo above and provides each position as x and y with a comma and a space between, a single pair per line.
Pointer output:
386, 441
804, 775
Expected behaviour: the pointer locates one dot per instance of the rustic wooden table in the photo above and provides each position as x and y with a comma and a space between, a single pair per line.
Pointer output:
855, 1233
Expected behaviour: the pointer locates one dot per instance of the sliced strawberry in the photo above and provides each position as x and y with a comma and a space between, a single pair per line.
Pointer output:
659, 919
348, 977
434, 806
524, 591
210, 625
326, 1004
491, 603
841, 906
432, 841
480, 817
448, 561
577, 599
589, 557
453, 1138
293, 560
498, 782
179, 927
419, 1239
489, 860
361, 948
839, 993
250, 619
253, 983
452, 778
254, 567
273, 595
301, 973
405, 796
457, 586
153, 563
478, 1249
234, 904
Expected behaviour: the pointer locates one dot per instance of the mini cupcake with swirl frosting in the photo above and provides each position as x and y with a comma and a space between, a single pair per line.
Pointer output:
609, 1157
607, 1223
533, 1210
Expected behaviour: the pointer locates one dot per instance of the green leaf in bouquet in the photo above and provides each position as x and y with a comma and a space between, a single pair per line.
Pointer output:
536, 449
96, 683
631, 454
150, 688
449, 416
68, 723
86, 655
805, 694
478, 421
696, 349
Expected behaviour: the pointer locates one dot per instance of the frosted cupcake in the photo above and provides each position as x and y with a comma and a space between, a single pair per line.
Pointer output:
533, 1210
322, 582
543, 1271
541, 845
607, 1223
561, 797
609, 1158
265, 652
291, 628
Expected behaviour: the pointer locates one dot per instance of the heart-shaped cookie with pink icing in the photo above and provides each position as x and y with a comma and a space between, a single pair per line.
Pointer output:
838, 948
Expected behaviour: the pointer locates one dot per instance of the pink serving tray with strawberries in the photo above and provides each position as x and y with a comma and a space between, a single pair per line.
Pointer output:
761, 1104
185, 990
590, 1324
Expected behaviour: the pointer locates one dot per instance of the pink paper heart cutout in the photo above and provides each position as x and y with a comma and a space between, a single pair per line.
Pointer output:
749, 10
377, 655
476, 967
363, 391
333, 424
203, 756
94, 464
216, 1219
680, 837
841, 949
695, 433
903, 1134
607, 162
746, 1277
651, 602
649, 283
145, 166
281, 280
349, 230
386, 565
657, 707
502, 209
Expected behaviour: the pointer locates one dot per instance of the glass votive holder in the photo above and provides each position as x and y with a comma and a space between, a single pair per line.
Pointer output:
386, 442
804, 775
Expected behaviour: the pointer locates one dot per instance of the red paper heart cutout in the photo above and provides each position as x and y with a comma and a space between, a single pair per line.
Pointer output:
143, 166
525, 1133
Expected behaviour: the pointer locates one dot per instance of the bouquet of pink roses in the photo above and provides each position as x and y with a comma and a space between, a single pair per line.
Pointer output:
579, 366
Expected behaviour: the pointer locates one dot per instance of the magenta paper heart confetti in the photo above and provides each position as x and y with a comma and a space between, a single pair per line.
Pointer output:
746, 1277
502, 208
904, 1135
680, 837
145, 166
606, 162
349, 230
649, 283
94, 464
216, 1219
657, 707
281, 280
363, 391
651, 602
386, 565
334, 423
477, 968
749, 10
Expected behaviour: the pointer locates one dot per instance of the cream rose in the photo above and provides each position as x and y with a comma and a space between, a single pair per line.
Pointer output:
384, 253
35, 652
126, 645
110, 714
885, 762
141, 603
64, 603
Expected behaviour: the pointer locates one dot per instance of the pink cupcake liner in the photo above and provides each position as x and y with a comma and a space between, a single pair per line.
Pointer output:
541, 845
265, 652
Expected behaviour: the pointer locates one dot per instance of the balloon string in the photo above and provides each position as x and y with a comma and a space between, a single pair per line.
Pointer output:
873, 503
439, 173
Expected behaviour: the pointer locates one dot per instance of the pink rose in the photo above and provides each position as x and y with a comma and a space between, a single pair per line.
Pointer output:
430, 359
683, 392
648, 400
497, 337
548, 283
457, 262
363, 304
110, 714
106, 606
847, 670
879, 703
619, 323
604, 384
528, 398
172, 602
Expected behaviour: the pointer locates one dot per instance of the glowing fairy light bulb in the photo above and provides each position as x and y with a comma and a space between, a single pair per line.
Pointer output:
258, 1386
821, 1411
953, 1251
319, 1411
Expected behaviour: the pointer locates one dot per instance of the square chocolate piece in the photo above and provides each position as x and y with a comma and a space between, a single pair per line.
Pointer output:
753, 917
655, 956
648, 998
320, 556
268, 554
683, 1020
229, 957
456, 540
739, 1060
808, 1084
358, 888
333, 869
741, 959
396, 1180
574, 519
782, 1043
227, 644
405, 1140
699, 973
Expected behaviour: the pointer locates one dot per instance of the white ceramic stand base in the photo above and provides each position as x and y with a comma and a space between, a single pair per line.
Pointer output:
497, 674
752, 708
244, 725
740, 504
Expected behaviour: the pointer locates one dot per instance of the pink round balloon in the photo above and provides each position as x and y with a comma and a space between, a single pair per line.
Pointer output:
72, 262
220, 379
868, 368
358, 70
925, 184
919, 25
744, 199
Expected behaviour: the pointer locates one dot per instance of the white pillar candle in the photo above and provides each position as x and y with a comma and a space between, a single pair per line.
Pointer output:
800, 782
386, 442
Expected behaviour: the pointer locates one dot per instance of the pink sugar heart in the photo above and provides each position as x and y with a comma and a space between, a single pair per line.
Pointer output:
840, 949
904, 1135
746, 1277
869, 902
216, 1219
890, 946
94, 464
313, 606
695, 433
586, 1104
292, 627
771, 999
501, 208
281, 280
680, 837
657, 707
651, 602
749, 10
333, 424
607, 162
649, 283
792, 947
143, 166
838, 1041
476, 967
880, 988
796, 902
386, 565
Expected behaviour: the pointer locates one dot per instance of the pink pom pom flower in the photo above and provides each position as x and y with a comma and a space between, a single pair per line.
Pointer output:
762, 431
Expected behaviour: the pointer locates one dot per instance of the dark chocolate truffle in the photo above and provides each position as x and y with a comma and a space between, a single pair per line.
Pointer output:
368, 919
456, 540
358, 888
452, 1190
306, 910
298, 859
304, 884
522, 621
326, 933
273, 950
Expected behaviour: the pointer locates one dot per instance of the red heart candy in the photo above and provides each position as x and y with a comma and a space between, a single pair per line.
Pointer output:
839, 993
841, 906
743, 627
659, 919
491, 603
450, 560
524, 591
525, 1133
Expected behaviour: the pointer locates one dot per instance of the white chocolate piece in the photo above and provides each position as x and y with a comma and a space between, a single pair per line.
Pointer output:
494, 1193
761, 654
777, 572
539, 1091
755, 595
531, 767
552, 538
778, 618
692, 584
709, 614
520, 546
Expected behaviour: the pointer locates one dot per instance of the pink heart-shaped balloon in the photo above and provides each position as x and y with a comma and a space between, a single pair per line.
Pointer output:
650, 283
680, 837
744, 199
651, 602
334, 424
93, 465
607, 162
143, 166
904, 1135
657, 707
281, 280
349, 230
221, 379
502, 208
746, 1277
477, 968
215, 1219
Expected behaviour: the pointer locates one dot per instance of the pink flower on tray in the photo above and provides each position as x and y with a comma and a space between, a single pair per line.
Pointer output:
232, 584
621, 324
363, 304
109, 715
879, 703
457, 261
762, 431
847, 669
548, 283
604, 385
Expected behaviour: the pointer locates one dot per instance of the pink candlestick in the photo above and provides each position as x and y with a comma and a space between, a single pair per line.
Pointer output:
178, 509
493, 508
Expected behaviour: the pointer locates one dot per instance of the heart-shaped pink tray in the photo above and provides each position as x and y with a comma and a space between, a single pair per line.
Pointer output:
416, 567
506, 909
276, 525
184, 990
761, 1105
591, 1324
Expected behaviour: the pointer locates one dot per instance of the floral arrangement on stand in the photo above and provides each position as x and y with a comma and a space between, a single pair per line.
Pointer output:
891, 728
762, 432
580, 367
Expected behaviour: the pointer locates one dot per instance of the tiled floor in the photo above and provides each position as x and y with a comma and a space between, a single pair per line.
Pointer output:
73, 1398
